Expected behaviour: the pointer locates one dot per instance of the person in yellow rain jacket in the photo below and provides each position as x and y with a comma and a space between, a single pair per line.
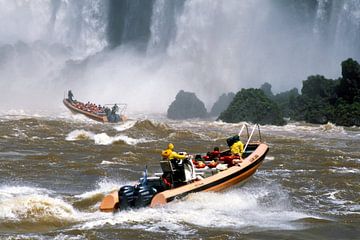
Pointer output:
170, 154
237, 148
177, 178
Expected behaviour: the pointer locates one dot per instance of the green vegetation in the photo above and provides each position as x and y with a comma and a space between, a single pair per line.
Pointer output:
285, 100
324, 100
252, 105
321, 100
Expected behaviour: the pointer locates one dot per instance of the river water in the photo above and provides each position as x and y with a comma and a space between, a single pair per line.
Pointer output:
54, 171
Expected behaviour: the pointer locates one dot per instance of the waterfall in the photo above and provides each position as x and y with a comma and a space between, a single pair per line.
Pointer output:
321, 19
77, 24
347, 32
163, 25
129, 23
209, 47
80, 24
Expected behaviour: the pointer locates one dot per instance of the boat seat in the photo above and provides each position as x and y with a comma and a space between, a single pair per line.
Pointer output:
167, 166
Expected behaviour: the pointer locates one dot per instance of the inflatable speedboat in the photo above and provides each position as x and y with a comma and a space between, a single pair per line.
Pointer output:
100, 114
158, 190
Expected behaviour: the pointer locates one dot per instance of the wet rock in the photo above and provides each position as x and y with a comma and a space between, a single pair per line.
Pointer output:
221, 104
185, 106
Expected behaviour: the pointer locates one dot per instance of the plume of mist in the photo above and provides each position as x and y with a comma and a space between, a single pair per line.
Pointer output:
206, 47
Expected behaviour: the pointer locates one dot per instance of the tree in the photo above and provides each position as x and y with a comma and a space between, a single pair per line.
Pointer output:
349, 88
252, 105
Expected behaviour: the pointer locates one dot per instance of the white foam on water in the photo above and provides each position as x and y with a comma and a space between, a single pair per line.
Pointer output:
269, 158
21, 203
297, 128
24, 190
239, 209
62, 236
16, 114
116, 161
104, 139
105, 186
332, 197
79, 134
330, 127
344, 170
125, 125
107, 162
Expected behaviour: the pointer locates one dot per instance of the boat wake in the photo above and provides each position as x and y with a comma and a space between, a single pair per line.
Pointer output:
241, 209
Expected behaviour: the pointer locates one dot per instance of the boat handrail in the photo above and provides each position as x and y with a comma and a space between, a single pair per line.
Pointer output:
249, 136
242, 128
123, 106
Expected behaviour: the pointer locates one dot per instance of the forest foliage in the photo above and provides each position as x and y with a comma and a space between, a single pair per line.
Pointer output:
321, 100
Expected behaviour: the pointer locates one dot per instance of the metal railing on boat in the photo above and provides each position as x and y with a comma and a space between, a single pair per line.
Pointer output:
249, 136
121, 106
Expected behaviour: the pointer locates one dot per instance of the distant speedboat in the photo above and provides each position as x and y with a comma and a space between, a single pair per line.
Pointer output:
155, 190
109, 113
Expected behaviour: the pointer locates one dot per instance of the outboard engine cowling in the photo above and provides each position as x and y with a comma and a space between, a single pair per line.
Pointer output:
126, 197
143, 195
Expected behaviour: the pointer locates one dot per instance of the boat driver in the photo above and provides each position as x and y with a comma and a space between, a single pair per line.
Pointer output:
178, 177
170, 154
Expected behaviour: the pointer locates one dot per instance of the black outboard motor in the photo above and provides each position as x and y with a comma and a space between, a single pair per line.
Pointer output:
126, 197
143, 195
138, 196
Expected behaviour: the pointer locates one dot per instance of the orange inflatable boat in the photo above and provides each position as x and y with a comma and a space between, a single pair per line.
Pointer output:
185, 179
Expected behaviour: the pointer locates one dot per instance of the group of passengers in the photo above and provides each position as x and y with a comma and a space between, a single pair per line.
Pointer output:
90, 107
212, 159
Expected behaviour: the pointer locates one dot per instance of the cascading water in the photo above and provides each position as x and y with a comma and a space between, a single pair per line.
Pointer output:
80, 24
208, 47
163, 25
337, 27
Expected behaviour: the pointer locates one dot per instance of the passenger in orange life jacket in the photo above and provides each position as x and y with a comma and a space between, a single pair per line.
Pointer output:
215, 155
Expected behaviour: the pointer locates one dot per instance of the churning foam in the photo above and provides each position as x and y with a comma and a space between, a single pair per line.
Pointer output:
125, 125
79, 135
33, 205
103, 187
103, 138
239, 209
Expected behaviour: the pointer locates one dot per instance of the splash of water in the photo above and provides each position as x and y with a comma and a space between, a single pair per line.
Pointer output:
79, 135
33, 205
216, 210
